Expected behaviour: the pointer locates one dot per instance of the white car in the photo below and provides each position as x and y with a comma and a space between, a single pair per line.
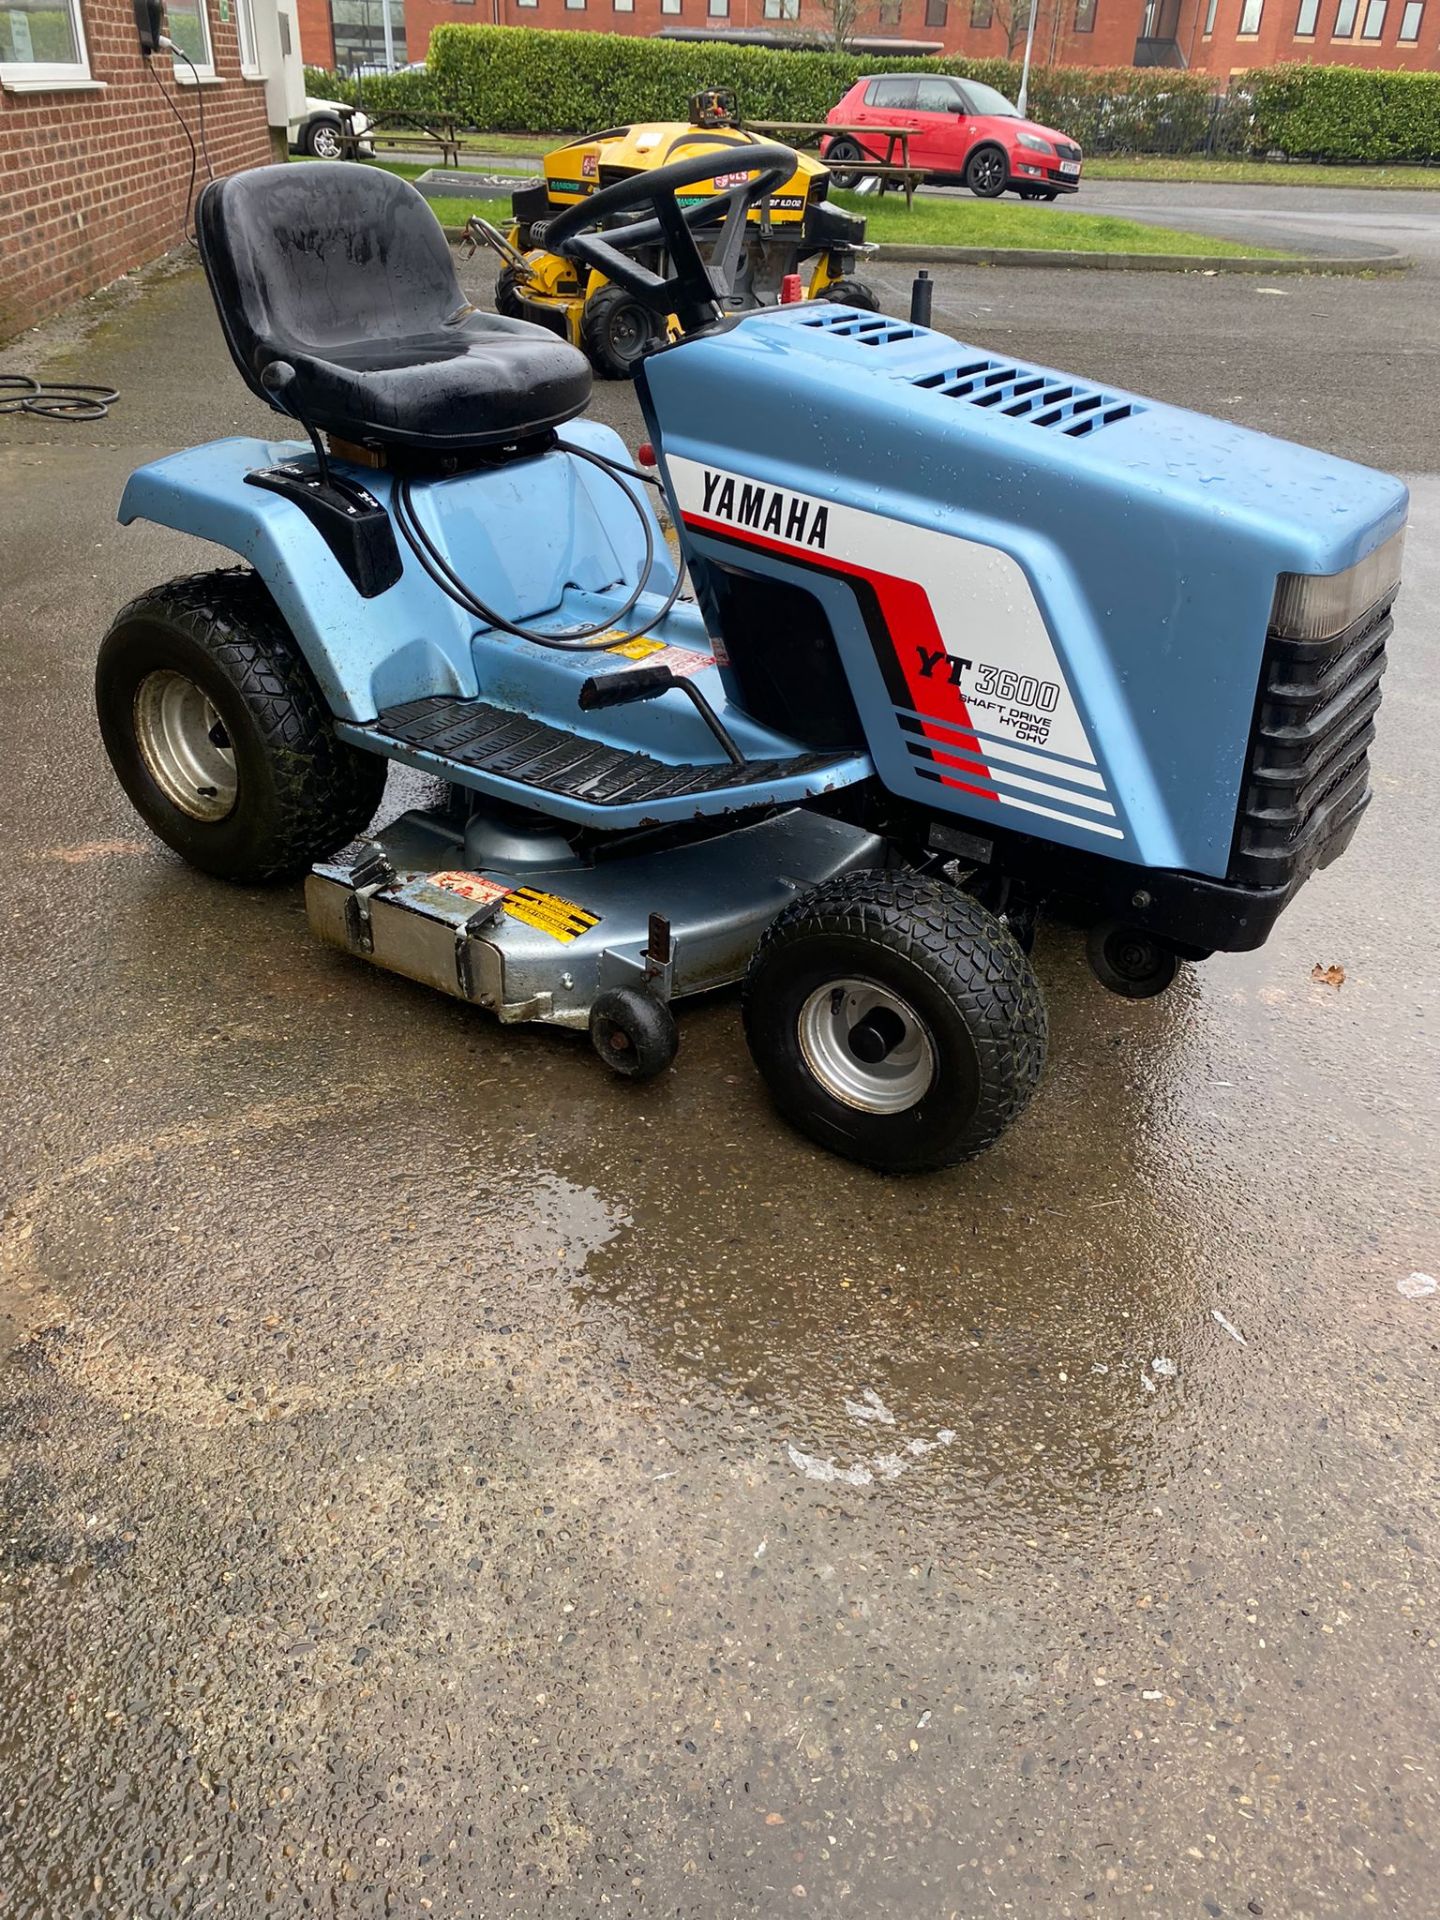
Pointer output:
318, 130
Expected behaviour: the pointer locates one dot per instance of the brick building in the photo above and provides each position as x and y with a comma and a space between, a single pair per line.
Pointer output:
1215, 36
93, 163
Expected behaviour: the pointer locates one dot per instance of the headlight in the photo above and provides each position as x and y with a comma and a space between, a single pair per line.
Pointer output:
1034, 143
1317, 606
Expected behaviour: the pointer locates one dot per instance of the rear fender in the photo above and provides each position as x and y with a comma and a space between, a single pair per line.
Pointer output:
519, 535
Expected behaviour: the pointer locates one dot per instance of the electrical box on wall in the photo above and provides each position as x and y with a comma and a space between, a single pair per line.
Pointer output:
149, 24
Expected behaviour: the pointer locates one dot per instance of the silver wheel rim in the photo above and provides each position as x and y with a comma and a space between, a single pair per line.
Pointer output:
185, 746
827, 1031
325, 143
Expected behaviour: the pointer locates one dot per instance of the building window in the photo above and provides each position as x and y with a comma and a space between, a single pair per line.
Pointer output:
1250, 13
190, 30
889, 13
245, 34
1210, 18
527, 3
937, 12
1306, 18
574, 6
669, 6
358, 27
42, 44
982, 13
782, 9
1345, 18
1374, 20
1084, 16
1410, 20
624, 6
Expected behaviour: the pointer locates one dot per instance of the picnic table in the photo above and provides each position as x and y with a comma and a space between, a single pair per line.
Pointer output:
887, 171
441, 129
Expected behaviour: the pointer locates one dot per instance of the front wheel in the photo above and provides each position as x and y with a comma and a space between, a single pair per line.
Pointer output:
221, 738
507, 293
852, 293
894, 1021
617, 332
987, 173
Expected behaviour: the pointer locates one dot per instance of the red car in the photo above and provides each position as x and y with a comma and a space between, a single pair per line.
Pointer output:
960, 131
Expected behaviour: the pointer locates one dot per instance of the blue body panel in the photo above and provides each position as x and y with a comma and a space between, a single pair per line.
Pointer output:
1148, 537
549, 542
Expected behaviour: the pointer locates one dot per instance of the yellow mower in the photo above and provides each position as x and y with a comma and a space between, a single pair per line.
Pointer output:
749, 265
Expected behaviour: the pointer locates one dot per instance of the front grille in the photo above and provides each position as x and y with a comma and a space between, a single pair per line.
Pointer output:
1307, 774
1066, 151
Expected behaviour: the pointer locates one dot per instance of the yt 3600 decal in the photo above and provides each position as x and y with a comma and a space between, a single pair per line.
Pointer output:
981, 699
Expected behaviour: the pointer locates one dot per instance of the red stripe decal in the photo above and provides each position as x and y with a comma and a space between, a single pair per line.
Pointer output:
906, 610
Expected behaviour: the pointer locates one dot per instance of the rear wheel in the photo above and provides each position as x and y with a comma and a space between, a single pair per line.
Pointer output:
322, 140
846, 161
853, 293
221, 738
987, 173
617, 332
895, 1021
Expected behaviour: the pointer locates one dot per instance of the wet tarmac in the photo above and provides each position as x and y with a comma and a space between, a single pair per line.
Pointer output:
436, 1478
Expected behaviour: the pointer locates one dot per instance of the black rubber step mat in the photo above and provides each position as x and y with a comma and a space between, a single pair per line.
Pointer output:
493, 740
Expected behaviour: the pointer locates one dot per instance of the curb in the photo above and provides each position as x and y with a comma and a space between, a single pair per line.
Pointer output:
1146, 262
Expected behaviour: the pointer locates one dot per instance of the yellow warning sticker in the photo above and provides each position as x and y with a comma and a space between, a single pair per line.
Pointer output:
551, 914
640, 649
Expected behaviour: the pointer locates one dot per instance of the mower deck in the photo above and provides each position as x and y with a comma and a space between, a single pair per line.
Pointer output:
503, 914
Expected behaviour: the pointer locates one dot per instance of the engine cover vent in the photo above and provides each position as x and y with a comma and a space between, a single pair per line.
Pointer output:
1022, 393
865, 329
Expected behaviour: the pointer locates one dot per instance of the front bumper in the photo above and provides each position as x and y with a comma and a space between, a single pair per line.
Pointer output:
1036, 171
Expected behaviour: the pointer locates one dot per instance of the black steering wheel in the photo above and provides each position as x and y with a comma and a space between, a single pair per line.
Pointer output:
690, 292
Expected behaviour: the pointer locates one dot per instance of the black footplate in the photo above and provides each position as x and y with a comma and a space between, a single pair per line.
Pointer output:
515, 747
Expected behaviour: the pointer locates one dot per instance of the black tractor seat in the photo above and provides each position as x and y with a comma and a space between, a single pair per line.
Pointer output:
342, 273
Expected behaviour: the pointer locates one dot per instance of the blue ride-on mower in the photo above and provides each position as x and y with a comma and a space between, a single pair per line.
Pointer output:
968, 638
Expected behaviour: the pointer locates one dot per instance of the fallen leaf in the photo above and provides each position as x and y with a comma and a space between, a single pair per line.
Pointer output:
1331, 976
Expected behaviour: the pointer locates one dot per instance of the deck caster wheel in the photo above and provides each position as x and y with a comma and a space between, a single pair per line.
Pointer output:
895, 1021
633, 1032
1130, 962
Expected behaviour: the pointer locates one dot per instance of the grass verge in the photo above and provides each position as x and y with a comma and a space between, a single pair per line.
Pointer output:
955, 223
1020, 224
1261, 173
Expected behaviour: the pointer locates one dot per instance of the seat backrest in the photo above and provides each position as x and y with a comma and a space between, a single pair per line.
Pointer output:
305, 256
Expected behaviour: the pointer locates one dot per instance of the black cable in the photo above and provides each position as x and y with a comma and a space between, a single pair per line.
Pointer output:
615, 466
574, 640
181, 54
55, 399
185, 232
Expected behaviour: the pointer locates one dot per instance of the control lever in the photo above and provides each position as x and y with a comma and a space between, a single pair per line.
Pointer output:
622, 685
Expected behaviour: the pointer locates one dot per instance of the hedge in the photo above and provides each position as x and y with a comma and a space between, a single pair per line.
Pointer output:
527, 80
1346, 113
